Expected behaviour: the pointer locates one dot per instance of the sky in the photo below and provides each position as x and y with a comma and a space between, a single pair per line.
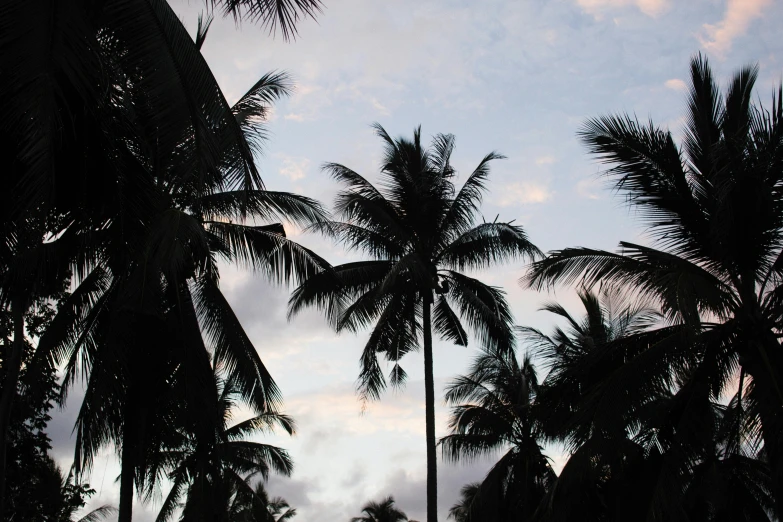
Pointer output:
519, 77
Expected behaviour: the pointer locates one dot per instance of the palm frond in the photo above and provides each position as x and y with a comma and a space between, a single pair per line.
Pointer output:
488, 244
484, 309
264, 205
252, 109
202, 29
330, 290
272, 14
258, 454
684, 288
233, 349
266, 422
463, 209
266, 249
447, 324
354, 237
98, 514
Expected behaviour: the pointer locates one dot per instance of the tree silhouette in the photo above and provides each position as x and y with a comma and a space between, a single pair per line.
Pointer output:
120, 90
420, 233
493, 409
714, 210
383, 511
150, 311
212, 473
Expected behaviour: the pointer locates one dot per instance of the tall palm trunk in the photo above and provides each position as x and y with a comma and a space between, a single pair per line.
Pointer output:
13, 365
128, 463
429, 397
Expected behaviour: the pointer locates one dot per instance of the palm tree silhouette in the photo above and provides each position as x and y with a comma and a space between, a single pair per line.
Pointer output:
212, 473
254, 505
714, 210
461, 511
150, 312
493, 410
646, 441
383, 511
420, 233
122, 90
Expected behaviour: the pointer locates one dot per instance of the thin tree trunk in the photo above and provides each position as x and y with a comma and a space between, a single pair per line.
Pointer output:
10, 384
429, 393
127, 474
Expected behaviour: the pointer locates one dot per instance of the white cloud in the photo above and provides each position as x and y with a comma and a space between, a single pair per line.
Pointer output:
739, 15
652, 8
676, 84
381, 108
524, 193
545, 160
294, 168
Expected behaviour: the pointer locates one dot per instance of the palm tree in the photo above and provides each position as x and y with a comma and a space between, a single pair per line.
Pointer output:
578, 405
420, 233
208, 472
153, 295
582, 355
254, 505
383, 511
494, 410
116, 91
461, 511
646, 441
714, 211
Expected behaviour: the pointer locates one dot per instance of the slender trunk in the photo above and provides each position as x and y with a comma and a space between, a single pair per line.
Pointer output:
128, 472
13, 367
429, 393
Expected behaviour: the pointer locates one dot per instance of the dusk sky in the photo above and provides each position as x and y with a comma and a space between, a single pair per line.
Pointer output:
519, 77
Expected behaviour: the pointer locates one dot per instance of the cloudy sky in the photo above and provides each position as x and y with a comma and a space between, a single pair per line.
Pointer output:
516, 76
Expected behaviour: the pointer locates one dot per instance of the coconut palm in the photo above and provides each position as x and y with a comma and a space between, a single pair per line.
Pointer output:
117, 91
254, 505
461, 511
714, 211
383, 511
211, 473
493, 409
579, 406
581, 357
646, 442
150, 312
420, 233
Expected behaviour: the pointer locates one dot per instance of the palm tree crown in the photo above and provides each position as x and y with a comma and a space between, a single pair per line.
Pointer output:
494, 409
212, 471
420, 233
383, 511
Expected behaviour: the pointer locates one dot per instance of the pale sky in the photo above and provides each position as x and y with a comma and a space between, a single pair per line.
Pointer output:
519, 77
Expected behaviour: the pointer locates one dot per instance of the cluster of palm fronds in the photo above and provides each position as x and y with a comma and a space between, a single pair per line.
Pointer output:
668, 411
130, 175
